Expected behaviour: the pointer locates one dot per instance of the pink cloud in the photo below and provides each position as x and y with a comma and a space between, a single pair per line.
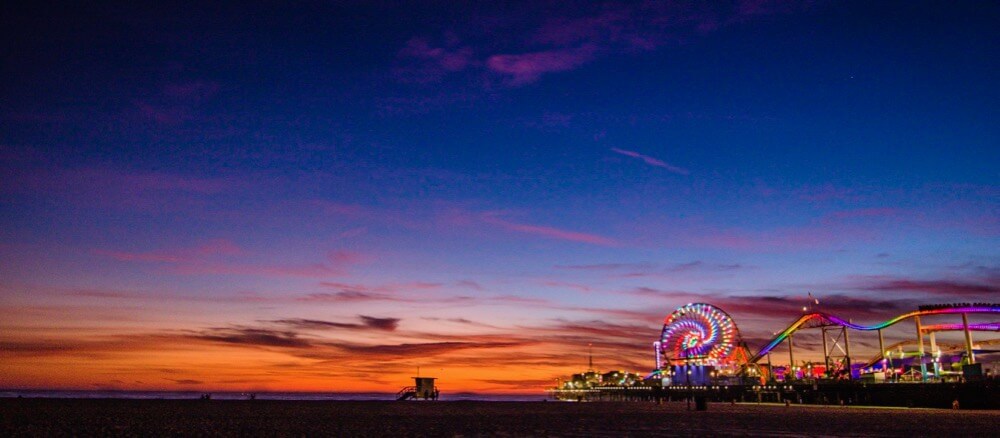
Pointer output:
964, 287
177, 255
124, 256
566, 285
521, 69
215, 257
652, 161
550, 232
316, 270
341, 257
119, 189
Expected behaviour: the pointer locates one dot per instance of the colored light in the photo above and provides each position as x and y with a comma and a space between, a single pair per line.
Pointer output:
841, 322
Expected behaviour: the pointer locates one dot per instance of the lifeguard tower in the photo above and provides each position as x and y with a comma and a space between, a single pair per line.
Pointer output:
423, 389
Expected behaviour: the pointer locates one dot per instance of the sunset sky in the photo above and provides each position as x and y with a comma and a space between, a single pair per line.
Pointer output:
323, 197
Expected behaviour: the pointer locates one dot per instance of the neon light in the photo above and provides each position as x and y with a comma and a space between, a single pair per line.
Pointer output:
979, 327
839, 321
697, 331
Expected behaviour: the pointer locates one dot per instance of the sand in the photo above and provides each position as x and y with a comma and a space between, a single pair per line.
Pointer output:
60, 417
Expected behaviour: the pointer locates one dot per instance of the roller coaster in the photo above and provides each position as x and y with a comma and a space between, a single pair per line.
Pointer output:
820, 319
700, 334
700, 351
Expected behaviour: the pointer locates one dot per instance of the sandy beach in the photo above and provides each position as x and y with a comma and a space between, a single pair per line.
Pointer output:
63, 417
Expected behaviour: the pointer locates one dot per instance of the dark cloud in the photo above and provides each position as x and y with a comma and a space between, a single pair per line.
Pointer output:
936, 287
254, 336
423, 349
186, 381
367, 322
347, 296
43, 348
388, 324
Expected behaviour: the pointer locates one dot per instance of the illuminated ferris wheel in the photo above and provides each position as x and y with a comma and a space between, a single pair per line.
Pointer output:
699, 334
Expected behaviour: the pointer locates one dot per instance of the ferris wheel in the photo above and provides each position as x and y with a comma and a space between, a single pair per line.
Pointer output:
697, 333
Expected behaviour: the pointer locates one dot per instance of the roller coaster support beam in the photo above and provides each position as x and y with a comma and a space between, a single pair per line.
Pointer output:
881, 348
968, 339
847, 355
826, 354
791, 360
936, 354
920, 349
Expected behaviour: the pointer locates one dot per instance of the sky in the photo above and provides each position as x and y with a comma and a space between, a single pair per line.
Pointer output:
324, 196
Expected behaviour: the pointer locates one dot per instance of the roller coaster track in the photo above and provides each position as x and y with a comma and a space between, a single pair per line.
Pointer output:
985, 344
824, 318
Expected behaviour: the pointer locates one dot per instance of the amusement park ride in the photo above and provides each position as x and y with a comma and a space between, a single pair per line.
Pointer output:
700, 347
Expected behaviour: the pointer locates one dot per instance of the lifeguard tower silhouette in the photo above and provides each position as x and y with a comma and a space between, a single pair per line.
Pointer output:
423, 389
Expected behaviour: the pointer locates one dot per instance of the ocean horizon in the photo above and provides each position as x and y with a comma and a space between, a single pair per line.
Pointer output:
260, 395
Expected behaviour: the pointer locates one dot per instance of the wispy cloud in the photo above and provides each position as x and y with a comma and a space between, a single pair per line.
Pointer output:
652, 161
549, 232
566, 40
253, 336
423, 62
367, 323
215, 257
521, 69
945, 287
176, 255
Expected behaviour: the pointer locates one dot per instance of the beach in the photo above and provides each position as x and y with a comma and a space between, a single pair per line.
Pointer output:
112, 417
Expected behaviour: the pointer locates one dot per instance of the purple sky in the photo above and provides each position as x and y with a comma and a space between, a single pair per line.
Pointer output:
332, 194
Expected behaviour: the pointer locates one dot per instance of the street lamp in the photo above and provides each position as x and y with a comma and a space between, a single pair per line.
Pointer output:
690, 393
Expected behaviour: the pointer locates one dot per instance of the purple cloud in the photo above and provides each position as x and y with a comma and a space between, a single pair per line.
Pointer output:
946, 287
215, 258
525, 68
550, 232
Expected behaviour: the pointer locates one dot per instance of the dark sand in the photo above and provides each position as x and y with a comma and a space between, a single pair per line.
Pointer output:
56, 417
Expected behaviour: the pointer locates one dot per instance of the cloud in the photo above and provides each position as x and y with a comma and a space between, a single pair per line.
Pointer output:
521, 69
213, 258
106, 188
641, 270
176, 103
424, 293
652, 161
568, 285
346, 296
388, 324
549, 232
253, 337
423, 349
605, 266
424, 63
977, 287
367, 322
177, 255
553, 40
